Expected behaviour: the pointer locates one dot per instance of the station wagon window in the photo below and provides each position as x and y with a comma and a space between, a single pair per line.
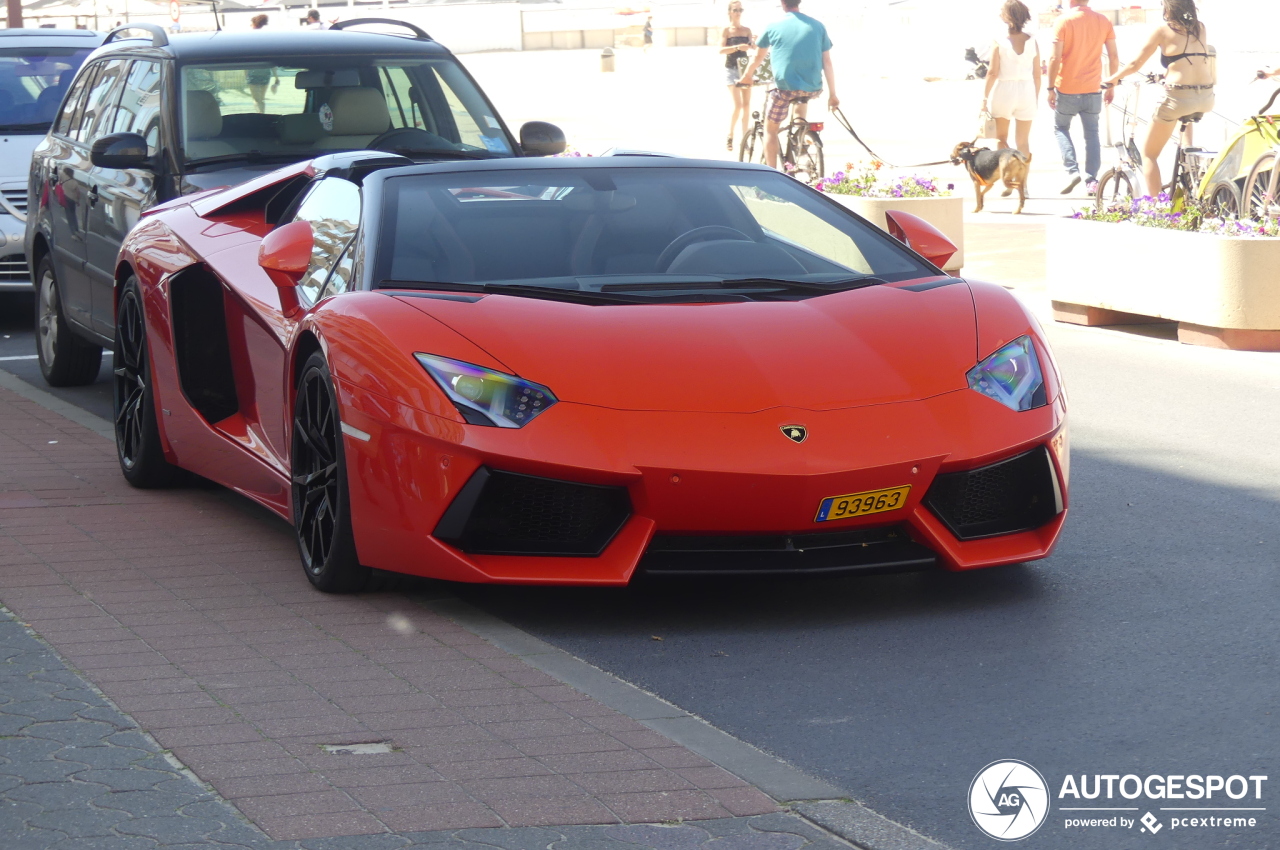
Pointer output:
334, 103
67, 118
99, 109
333, 208
139, 110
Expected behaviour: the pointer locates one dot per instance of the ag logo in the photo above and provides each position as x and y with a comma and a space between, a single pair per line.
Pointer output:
795, 433
1008, 800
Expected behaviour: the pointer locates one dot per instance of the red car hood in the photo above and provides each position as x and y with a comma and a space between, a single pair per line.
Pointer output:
868, 346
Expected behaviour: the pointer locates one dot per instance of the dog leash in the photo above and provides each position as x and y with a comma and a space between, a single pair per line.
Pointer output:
844, 122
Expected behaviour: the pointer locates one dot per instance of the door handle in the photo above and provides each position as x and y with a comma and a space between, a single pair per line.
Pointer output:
93, 195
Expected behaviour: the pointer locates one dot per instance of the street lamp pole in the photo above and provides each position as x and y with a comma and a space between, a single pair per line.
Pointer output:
15, 14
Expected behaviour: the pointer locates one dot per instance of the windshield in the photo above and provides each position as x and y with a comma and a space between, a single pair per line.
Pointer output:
628, 230
32, 82
264, 110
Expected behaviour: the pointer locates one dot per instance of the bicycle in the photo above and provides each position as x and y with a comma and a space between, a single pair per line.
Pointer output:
1189, 163
801, 148
1261, 195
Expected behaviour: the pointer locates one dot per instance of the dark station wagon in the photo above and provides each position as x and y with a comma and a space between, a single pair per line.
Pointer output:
150, 119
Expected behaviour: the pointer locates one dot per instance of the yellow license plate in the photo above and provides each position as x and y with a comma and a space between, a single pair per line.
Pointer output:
861, 504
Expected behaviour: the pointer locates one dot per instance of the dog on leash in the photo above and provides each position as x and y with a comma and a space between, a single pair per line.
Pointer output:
987, 168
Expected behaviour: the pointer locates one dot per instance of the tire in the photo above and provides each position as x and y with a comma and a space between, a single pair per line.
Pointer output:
1252, 199
321, 500
752, 144
65, 359
138, 443
1113, 188
809, 163
1224, 200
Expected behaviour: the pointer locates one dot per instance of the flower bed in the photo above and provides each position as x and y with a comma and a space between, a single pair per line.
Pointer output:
870, 194
1141, 261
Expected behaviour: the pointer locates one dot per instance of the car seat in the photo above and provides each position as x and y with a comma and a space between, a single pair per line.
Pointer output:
360, 115
204, 123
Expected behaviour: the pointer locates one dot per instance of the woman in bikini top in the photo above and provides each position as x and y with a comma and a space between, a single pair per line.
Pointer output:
1189, 77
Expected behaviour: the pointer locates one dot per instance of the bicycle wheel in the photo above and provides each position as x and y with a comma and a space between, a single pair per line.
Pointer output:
752, 145
807, 158
1224, 200
1115, 187
1253, 201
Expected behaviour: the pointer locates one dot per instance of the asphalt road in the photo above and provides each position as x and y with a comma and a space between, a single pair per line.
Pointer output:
1146, 644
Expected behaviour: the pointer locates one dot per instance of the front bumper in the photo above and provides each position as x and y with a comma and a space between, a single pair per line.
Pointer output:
695, 475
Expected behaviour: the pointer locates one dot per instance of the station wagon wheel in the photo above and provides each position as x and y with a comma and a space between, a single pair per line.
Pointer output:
65, 359
138, 443
321, 503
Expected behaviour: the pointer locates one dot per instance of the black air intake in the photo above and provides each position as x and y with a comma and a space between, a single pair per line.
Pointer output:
862, 550
505, 513
1017, 494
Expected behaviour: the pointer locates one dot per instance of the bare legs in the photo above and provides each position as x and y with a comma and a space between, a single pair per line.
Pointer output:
741, 96
1158, 135
1022, 130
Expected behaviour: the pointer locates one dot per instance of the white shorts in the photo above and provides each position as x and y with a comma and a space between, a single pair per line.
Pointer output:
1014, 99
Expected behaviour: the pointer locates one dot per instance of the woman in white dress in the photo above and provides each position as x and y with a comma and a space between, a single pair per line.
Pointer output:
1013, 82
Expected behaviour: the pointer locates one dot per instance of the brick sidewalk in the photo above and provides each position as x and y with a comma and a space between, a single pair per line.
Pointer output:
188, 608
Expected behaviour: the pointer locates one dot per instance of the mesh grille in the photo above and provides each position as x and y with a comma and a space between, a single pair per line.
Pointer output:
17, 200
520, 514
14, 268
1013, 495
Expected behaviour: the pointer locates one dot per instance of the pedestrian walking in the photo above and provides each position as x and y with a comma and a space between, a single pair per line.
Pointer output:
735, 45
1013, 80
259, 78
647, 32
313, 20
1188, 81
1075, 86
800, 50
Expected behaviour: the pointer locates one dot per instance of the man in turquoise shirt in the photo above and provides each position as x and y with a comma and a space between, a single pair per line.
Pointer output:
801, 51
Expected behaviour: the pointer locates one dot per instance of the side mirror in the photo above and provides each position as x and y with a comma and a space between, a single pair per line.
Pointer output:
538, 138
120, 150
920, 236
285, 255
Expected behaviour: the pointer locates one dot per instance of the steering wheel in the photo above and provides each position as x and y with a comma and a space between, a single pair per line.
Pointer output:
406, 137
698, 234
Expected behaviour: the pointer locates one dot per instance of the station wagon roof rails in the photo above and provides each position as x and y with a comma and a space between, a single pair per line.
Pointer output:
418, 32
159, 38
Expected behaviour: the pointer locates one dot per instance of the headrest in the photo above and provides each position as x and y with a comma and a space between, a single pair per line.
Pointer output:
204, 116
359, 111
300, 129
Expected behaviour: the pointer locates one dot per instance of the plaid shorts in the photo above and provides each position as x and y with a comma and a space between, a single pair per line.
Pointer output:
780, 102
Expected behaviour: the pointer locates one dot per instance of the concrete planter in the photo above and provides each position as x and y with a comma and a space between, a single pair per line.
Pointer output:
945, 213
1223, 291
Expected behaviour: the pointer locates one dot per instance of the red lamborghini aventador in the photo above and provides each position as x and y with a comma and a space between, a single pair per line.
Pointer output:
568, 371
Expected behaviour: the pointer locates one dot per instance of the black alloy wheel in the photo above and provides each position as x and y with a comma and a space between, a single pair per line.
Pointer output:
321, 503
138, 444
65, 359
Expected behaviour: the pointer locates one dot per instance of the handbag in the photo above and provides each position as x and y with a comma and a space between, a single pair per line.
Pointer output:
986, 125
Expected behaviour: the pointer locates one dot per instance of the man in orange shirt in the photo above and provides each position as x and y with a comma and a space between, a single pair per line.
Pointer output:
1075, 86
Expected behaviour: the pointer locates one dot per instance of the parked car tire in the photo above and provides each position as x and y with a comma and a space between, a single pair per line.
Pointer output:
65, 359
321, 501
138, 444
